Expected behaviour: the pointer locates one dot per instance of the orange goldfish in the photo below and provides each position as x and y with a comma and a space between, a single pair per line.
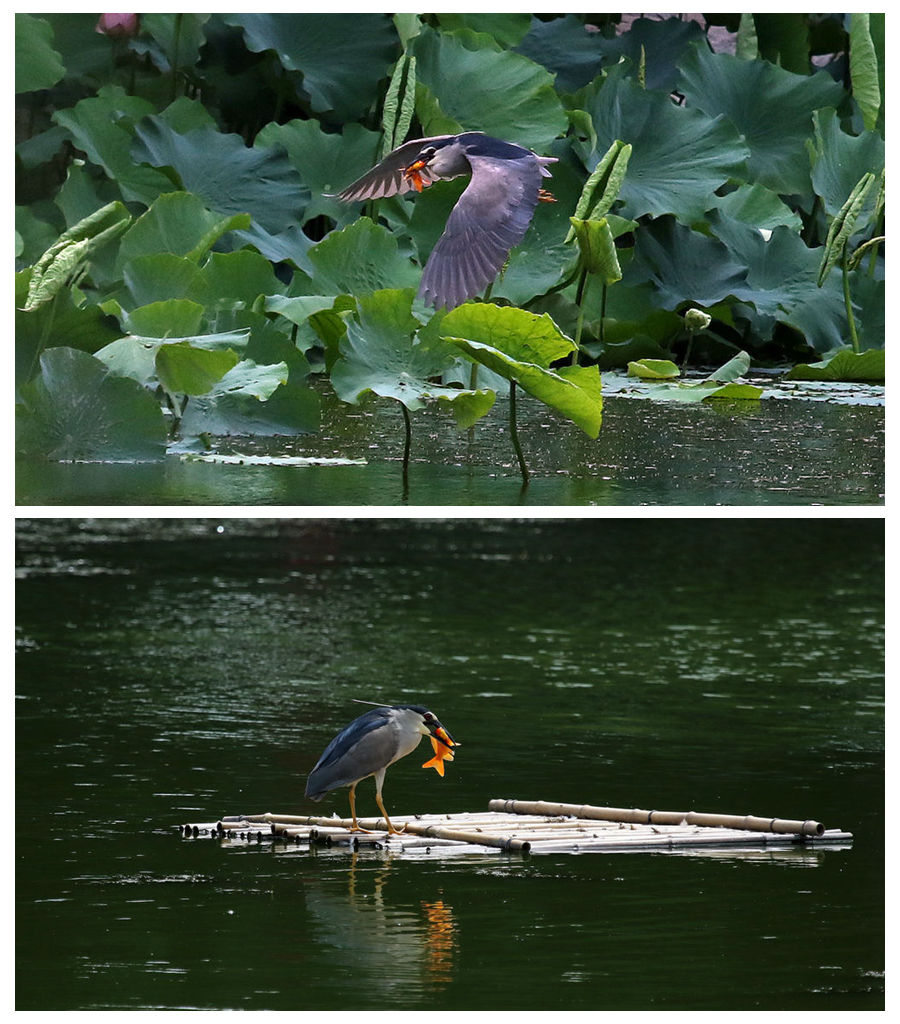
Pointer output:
413, 174
442, 745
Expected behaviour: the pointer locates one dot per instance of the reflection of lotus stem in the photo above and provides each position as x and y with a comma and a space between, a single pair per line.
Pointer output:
408, 442
854, 337
526, 476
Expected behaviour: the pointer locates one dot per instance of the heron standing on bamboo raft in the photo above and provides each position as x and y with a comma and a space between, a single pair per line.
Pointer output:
370, 744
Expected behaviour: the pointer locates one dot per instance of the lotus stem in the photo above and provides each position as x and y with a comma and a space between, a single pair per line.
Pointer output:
408, 443
579, 302
851, 323
526, 476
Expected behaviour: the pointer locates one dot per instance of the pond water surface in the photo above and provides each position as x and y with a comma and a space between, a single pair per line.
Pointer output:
179, 670
793, 451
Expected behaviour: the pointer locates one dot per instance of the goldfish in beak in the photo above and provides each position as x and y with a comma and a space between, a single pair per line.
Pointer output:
413, 174
442, 745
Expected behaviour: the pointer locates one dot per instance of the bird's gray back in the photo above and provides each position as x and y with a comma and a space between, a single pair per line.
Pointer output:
368, 744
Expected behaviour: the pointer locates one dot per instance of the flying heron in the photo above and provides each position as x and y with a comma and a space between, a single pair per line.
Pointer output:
491, 216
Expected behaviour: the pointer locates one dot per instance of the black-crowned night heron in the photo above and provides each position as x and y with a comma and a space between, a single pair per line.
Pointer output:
492, 215
370, 744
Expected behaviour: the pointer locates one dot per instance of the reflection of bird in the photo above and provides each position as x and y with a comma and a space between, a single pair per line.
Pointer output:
369, 745
491, 216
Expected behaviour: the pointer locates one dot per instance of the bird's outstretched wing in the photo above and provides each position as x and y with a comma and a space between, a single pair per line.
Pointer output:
492, 216
386, 178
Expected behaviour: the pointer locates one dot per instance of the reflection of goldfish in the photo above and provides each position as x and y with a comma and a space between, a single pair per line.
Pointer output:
441, 941
442, 745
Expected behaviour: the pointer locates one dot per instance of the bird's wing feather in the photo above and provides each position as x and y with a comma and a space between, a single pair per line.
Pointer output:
386, 178
355, 753
492, 216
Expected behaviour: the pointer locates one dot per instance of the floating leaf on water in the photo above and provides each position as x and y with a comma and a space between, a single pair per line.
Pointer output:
653, 369
269, 460
843, 366
77, 410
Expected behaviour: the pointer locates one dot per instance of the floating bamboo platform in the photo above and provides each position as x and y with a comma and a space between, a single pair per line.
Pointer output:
529, 827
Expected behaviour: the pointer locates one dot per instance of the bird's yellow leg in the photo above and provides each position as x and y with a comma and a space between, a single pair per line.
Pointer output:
354, 827
391, 830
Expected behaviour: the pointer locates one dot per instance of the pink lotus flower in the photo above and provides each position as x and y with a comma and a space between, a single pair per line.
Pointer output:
118, 24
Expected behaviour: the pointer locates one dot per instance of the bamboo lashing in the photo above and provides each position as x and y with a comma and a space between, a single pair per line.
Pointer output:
635, 816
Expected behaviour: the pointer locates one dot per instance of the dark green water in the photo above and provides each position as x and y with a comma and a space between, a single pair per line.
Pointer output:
168, 672
774, 452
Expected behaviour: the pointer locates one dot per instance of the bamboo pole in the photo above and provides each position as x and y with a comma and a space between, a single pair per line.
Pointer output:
746, 822
412, 828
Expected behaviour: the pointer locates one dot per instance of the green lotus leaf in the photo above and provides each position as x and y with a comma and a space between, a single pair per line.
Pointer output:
86, 53
229, 177
135, 356
844, 365
299, 308
574, 391
565, 48
770, 107
864, 68
169, 318
507, 29
679, 157
705, 391
526, 337
363, 257
78, 410
325, 48
758, 206
683, 265
185, 370
780, 281
736, 367
177, 37
325, 161
37, 237
163, 275
482, 87
576, 55
383, 352
653, 369
253, 399
239, 278
840, 160
38, 65
102, 126
178, 223
56, 323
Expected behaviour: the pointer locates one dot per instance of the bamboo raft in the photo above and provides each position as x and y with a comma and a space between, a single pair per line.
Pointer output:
529, 827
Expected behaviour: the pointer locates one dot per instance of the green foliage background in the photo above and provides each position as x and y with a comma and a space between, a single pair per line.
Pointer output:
174, 232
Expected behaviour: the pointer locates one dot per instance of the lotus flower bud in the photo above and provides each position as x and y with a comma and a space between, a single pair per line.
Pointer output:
119, 25
696, 320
